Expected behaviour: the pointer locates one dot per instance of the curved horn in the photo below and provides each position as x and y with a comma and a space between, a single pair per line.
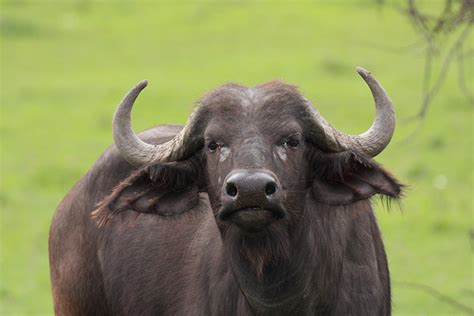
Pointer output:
371, 142
138, 152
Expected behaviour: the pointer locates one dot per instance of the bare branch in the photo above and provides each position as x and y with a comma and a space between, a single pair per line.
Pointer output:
453, 51
462, 79
439, 296
436, 30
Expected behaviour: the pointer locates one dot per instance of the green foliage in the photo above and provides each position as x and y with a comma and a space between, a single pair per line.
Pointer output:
65, 65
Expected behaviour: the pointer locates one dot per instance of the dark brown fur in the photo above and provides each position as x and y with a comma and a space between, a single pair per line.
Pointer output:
153, 246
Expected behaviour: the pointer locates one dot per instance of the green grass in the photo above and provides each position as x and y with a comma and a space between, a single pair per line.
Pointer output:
66, 64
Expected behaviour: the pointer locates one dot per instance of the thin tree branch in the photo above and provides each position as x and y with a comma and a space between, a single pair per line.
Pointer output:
439, 296
429, 95
462, 78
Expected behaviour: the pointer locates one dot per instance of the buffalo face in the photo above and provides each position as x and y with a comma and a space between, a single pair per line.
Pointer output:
255, 148
259, 153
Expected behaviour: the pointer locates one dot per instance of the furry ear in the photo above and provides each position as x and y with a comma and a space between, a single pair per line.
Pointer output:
345, 178
163, 189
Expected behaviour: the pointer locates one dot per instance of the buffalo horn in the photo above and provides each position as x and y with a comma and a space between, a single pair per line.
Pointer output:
140, 153
371, 142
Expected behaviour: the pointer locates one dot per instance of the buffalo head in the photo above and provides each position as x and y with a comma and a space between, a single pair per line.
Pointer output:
257, 152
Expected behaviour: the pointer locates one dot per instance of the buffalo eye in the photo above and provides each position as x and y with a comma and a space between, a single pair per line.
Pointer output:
292, 142
212, 146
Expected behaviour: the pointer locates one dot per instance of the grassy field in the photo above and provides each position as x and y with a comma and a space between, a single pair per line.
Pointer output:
66, 64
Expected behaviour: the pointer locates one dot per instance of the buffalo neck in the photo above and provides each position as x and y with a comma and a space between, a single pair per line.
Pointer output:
297, 283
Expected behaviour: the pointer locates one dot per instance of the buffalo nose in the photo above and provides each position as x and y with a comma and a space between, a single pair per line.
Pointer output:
252, 199
259, 183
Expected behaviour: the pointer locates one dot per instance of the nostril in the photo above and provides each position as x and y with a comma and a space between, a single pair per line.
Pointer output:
270, 188
231, 189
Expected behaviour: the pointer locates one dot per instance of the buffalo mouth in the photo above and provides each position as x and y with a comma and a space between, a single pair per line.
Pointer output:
252, 218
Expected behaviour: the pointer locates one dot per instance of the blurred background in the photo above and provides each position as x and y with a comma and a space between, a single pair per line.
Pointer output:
65, 65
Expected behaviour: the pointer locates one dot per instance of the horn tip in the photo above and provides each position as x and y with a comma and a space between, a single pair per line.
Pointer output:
364, 73
142, 84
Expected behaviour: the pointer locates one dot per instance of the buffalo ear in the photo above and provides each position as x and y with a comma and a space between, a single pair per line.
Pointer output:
161, 189
347, 178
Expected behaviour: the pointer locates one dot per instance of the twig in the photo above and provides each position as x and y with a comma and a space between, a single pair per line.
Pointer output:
435, 30
462, 79
419, 21
439, 296
429, 95
443, 19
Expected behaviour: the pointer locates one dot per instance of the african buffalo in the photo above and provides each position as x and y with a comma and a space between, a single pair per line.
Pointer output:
257, 206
